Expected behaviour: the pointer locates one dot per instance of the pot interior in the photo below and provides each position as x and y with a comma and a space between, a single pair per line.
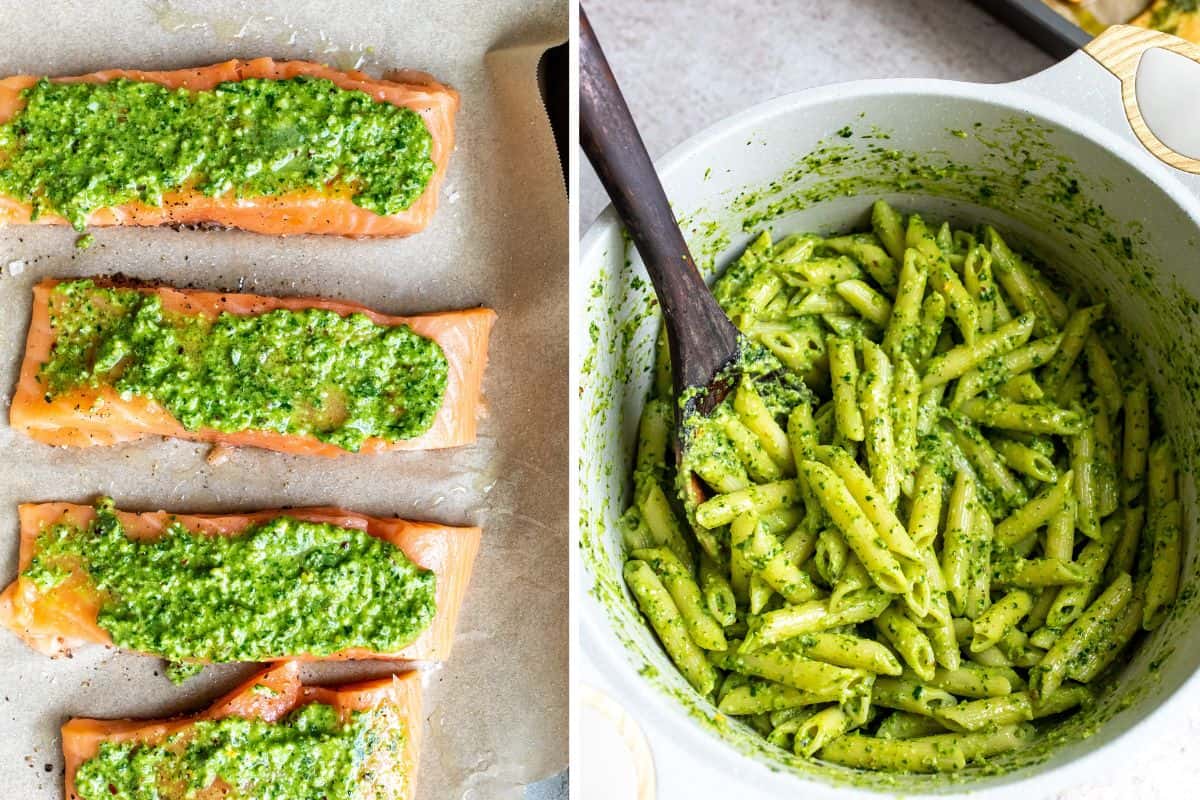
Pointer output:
1098, 214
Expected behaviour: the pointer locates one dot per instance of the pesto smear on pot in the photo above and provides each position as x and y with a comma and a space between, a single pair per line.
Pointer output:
279, 587
340, 379
78, 147
310, 753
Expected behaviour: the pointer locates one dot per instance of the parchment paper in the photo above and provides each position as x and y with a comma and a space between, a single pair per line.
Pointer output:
496, 713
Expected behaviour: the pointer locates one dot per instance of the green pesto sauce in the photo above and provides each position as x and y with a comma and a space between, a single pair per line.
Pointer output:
78, 147
309, 754
281, 587
309, 372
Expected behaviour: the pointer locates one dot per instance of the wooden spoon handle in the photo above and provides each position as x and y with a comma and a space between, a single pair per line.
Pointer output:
702, 338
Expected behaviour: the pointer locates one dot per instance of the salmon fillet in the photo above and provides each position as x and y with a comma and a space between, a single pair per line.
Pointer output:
295, 212
87, 417
55, 621
400, 695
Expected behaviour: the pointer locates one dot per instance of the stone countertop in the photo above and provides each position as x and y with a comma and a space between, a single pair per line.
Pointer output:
684, 64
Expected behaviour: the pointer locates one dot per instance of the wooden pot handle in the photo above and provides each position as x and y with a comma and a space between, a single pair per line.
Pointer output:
1119, 50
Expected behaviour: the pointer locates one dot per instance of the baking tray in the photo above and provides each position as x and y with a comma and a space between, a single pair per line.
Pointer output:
1053, 31
1040, 24
496, 713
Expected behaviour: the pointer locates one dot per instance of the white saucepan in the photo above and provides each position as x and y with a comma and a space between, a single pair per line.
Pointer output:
1089, 165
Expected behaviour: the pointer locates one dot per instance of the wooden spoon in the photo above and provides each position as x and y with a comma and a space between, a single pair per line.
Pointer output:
704, 344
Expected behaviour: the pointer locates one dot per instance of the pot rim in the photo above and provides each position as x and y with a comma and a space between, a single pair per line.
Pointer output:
596, 636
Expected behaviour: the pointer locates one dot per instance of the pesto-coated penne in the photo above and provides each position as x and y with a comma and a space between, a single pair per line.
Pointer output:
861, 535
825, 300
868, 251
1095, 658
1075, 333
766, 557
908, 695
1038, 573
986, 462
945, 643
975, 715
717, 593
760, 498
889, 228
896, 755
957, 362
816, 615
1064, 698
870, 304
959, 305
998, 370
790, 669
755, 415
1137, 440
933, 317
1124, 554
759, 696
1021, 388
1024, 417
936, 506
1103, 375
973, 680
977, 277
1099, 617
1026, 460
655, 602
905, 412
740, 573
908, 640
869, 499
1037, 512
958, 541
654, 429
979, 745
678, 580
1073, 599
1000, 618
831, 554
750, 450
820, 729
843, 375
919, 599
1160, 475
901, 336
903, 725
1060, 532
849, 585
1083, 465
1016, 282
660, 519
845, 650
980, 583
926, 513
1107, 470
1166, 539
875, 392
